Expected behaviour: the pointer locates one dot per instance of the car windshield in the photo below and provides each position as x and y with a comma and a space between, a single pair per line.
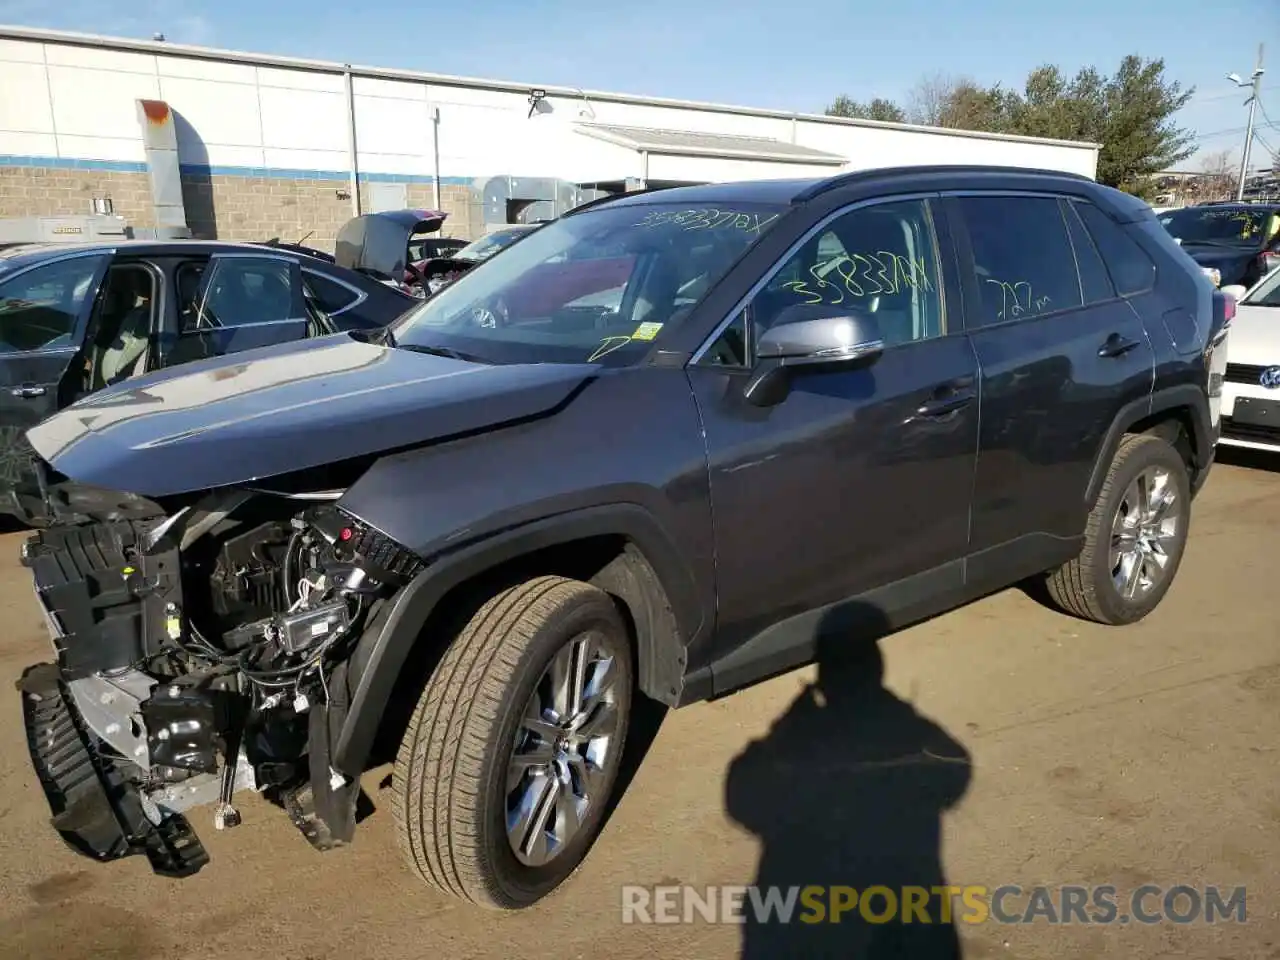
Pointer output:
595, 287
1236, 226
487, 246
1266, 293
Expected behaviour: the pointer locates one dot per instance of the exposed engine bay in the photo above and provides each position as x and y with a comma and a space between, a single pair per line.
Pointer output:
196, 659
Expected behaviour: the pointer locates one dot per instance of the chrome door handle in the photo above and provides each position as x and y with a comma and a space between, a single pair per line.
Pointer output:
27, 392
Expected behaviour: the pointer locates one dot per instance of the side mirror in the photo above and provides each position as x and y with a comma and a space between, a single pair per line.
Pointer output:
1235, 291
810, 335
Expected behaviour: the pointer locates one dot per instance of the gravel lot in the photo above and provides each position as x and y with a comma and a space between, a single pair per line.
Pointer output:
1058, 753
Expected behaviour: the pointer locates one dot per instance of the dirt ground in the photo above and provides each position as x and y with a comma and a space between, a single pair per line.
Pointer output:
1061, 753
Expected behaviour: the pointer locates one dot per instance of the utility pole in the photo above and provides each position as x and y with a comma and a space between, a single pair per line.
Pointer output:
1255, 85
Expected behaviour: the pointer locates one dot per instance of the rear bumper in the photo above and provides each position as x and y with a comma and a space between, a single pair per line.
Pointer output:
96, 809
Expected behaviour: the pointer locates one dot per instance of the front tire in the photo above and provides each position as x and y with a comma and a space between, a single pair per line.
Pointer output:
506, 768
1134, 539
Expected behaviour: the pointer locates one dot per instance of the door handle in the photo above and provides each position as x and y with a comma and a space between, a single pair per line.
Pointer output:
1116, 346
941, 406
28, 391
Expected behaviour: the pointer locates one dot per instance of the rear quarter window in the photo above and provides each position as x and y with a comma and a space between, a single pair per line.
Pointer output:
332, 296
1132, 269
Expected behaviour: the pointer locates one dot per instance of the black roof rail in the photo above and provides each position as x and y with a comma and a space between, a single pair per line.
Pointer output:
599, 201
875, 173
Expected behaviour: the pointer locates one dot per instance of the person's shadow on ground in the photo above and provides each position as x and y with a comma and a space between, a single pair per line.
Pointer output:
847, 790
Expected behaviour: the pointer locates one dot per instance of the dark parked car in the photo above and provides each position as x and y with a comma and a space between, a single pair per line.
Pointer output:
387, 246
813, 411
77, 318
1239, 240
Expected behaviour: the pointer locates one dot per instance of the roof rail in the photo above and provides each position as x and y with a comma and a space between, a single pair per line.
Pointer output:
874, 173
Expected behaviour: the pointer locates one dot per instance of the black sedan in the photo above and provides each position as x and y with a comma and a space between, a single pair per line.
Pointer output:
75, 318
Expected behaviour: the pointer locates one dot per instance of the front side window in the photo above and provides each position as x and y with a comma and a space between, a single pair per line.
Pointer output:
878, 261
1023, 258
595, 287
39, 307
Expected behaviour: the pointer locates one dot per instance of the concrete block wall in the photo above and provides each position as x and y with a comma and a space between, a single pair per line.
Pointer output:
51, 191
223, 206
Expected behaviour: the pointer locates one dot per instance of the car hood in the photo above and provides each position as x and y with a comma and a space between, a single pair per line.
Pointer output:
273, 411
1255, 336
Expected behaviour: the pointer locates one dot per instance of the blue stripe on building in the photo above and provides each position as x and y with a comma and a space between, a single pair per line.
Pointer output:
205, 169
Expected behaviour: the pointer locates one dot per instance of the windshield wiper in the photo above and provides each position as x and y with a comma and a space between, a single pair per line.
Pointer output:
443, 352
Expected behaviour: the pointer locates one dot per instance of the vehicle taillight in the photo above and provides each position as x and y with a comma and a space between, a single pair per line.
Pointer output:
1228, 309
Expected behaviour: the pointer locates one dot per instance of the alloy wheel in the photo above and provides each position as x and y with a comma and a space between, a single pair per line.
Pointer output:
1145, 532
564, 748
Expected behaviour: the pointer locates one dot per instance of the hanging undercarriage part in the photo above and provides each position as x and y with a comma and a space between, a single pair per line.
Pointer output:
195, 657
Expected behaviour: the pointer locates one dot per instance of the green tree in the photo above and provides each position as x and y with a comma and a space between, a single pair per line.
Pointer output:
1138, 133
1130, 114
875, 109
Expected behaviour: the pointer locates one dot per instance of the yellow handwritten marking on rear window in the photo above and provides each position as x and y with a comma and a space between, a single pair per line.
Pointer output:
646, 331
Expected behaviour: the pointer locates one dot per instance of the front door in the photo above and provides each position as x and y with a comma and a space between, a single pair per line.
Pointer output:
860, 479
1060, 354
235, 302
43, 311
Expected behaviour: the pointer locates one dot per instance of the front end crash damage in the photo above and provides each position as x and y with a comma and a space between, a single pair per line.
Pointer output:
199, 654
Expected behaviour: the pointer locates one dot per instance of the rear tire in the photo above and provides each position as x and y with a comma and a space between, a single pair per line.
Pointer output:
499, 791
1134, 539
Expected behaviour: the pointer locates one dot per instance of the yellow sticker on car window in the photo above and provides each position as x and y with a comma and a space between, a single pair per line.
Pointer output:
646, 331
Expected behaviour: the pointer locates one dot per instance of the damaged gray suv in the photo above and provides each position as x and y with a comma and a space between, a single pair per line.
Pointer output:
655, 450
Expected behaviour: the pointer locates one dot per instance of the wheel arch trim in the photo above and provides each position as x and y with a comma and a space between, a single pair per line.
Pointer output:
1186, 396
385, 645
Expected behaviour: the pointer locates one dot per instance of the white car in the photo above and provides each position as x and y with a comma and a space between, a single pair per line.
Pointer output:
1251, 393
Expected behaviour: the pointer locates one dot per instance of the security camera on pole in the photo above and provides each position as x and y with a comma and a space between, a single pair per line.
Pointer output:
1255, 85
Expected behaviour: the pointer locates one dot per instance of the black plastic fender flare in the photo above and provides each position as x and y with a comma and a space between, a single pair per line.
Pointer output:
384, 647
1183, 396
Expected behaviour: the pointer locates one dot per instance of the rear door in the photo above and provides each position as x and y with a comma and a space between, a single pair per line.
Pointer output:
234, 302
1060, 353
43, 313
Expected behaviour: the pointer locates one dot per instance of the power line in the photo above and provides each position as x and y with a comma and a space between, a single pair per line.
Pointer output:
1231, 131
1257, 138
1263, 110
1226, 96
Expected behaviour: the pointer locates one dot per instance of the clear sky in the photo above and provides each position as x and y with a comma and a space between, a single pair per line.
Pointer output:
769, 53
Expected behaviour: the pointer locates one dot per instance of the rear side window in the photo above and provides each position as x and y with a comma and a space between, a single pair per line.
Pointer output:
1022, 256
234, 292
1095, 284
1131, 269
332, 296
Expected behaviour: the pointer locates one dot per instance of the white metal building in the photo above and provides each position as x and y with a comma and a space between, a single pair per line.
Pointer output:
337, 135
